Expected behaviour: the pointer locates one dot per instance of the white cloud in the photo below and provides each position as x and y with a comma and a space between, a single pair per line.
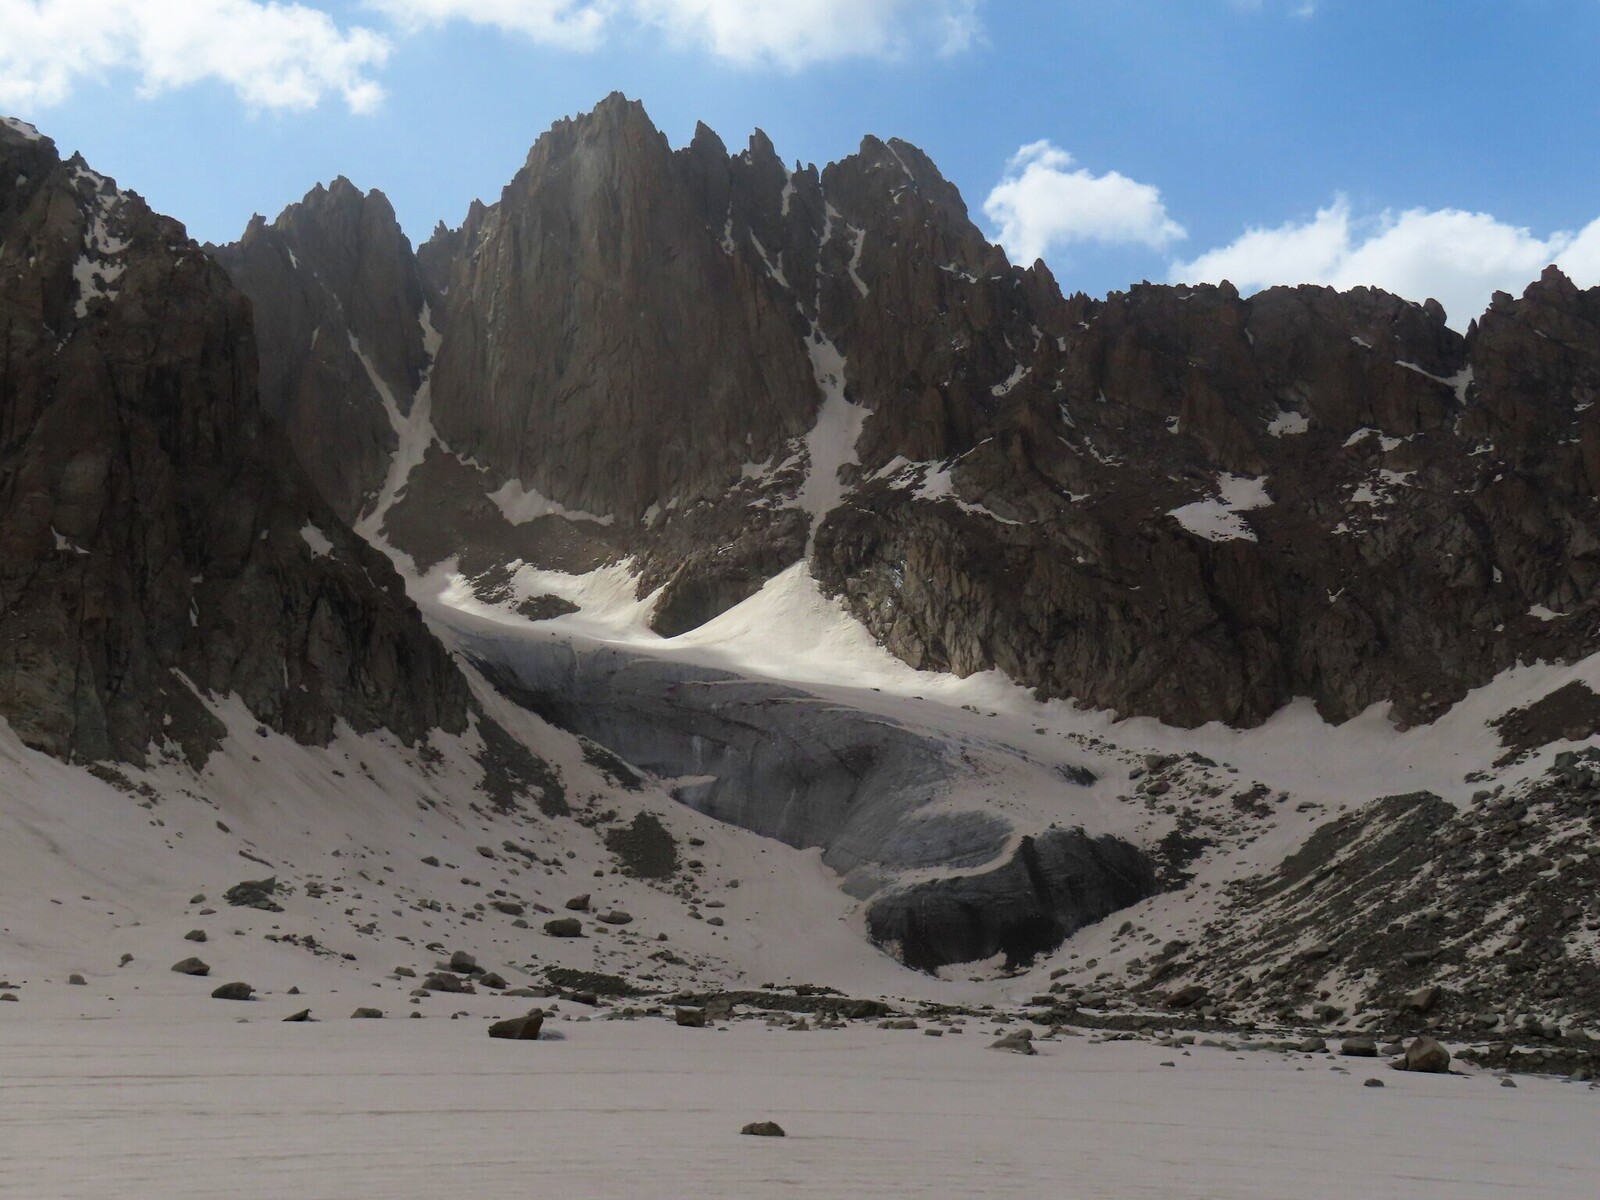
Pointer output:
787, 33
1044, 203
1458, 258
567, 24
287, 54
797, 33
274, 55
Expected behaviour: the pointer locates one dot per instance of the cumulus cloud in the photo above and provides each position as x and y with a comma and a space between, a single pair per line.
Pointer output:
790, 34
1458, 258
274, 55
1044, 203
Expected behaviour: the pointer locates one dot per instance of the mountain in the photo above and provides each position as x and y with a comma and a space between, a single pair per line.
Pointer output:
1176, 502
682, 517
161, 544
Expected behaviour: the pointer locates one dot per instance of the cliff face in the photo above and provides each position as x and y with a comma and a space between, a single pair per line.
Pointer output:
604, 351
341, 319
1174, 502
158, 540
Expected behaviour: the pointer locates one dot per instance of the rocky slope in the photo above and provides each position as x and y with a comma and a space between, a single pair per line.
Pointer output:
159, 544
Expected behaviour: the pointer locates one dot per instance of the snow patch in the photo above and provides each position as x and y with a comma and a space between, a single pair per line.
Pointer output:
1458, 383
831, 444
1385, 441
1288, 423
1379, 488
520, 505
64, 546
321, 547
27, 131
1218, 519
1018, 374
414, 431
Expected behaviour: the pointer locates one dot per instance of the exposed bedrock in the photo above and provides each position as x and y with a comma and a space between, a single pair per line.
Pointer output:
880, 800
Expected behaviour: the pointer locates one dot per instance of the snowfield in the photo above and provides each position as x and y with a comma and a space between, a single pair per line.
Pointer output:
177, 1100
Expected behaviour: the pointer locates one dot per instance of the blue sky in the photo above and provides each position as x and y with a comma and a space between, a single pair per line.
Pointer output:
1432, 146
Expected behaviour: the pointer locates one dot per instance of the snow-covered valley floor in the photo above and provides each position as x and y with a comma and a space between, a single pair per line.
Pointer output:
178, 1099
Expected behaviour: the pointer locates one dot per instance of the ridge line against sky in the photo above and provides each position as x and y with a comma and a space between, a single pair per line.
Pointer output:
1263, 141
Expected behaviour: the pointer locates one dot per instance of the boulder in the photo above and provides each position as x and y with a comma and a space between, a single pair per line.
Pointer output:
1428, 1056
519, 1029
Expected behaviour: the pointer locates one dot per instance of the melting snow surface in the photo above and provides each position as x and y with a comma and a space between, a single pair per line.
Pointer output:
1218, 519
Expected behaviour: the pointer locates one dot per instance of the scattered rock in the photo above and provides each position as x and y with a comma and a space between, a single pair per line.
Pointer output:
617, 917
195, 935
763, 1129
367, 1014
690, 1018
1359, 1047
77, 981
579, 903
1373, 1083
564, 927
303, 1015
233, 991
254, 893
191, 966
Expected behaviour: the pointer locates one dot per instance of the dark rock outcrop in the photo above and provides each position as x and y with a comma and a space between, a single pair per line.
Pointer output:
158, 541
1053, 885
